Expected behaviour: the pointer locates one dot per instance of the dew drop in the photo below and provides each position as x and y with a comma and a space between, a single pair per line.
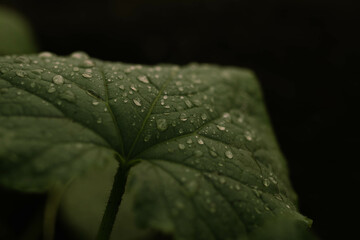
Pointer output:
20, 73
248, 136
133, 88
147, 138
92, 93
161, 124
198, 153
143, 79
181, 131
95, 103
213, 153
183, 117
22, 59
79, 55
88, 63
237, 187
222, 180
37, 71
181, 146
189, 141
86, 75
221, 128
188, 103
229, 154
203, 116
45, 54
137, 102
200, 141
76, 69
122, 87
273, 180
51, 90
99, 120
58, 79
32, 84
266, 182
68, 96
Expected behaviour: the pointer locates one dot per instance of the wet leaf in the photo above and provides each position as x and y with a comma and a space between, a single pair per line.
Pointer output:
208, 164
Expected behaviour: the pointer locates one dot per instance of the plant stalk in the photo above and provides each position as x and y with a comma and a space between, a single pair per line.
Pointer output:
113, 203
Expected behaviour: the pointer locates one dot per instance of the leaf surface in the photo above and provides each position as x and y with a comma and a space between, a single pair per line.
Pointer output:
209, 166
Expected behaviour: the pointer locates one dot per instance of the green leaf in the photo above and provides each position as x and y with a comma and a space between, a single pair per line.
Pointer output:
16, 35
208, 164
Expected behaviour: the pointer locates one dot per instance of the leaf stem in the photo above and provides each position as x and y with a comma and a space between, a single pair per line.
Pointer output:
113, 203
51, 209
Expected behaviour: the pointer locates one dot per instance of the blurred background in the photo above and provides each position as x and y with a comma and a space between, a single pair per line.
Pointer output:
305, 53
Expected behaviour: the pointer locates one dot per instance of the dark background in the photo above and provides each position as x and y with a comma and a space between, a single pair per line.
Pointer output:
305, 53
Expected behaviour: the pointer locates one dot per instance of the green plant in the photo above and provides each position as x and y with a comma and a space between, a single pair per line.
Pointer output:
16, 36
195, 141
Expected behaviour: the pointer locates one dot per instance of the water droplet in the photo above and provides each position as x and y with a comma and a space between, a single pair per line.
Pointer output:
92, 93
95, 103
76, 69
18, 93
200, 141
198, 153
79, 55
122, 87
203, 116
51, 90
88, 63
213, 153
189, 141
181, 146
229, 154
133, 88
266, 182
237, 187
86, 75
22, 59
188, 103
68, 96
32, 84
143, 79
20, 73
45, 54
220, 164
222, 180
58, 79
37, 71
99, 120
227, 117
137, 102
273, 180
181, 131
147, 138
183, 117
161, 124
221, 128
248, 136
192, 187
